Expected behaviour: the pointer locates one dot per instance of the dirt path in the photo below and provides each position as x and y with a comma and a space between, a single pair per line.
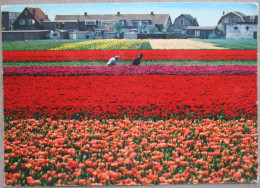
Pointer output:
180, 44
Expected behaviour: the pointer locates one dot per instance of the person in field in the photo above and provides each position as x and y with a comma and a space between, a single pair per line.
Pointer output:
137, 60
112, 61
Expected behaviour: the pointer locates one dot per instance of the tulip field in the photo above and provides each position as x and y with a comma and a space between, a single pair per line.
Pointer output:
130, 125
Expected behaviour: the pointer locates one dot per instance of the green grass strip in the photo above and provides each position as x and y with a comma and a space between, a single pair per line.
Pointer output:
98, 63
234, 44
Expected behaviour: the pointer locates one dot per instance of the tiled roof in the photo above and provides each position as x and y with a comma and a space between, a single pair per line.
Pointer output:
39, 14
155, 18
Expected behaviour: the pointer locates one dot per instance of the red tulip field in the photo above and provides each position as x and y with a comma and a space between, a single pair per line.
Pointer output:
130, 125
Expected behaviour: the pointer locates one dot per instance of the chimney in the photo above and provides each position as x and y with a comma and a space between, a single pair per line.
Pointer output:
152, 14
33, 12
223, 12
86, 13
118, 13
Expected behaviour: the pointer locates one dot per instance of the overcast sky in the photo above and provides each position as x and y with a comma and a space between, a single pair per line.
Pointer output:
206, 13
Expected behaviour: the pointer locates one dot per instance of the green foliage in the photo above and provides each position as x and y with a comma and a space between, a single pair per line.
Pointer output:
152, 29
174, 35
212, 36
118, 26
99, 63
34, 45
168, 29
235, 44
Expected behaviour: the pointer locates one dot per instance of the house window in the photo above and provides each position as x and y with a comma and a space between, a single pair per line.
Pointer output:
247, 28
145, 22
182, 22
135, 23
235, 28
30, 22
26, 12
22, 22
252, 19
90, 22
99, 23
55, 34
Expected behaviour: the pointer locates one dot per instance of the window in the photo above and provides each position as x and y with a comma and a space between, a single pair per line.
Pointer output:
30, 22
99, 23
235, 28
22, 22
135, 22
90, 22
145, 22
182, 22
252, 19
26, 12
106, 23
247, 28
55, 34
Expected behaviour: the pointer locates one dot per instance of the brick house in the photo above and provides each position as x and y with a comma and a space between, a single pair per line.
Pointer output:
129, 21
30, 19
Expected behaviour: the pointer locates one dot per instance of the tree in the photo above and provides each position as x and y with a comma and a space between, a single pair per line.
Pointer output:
168, 29
152, 29
118, 26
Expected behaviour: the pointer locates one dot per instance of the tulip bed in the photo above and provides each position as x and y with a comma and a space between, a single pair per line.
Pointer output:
123, 152
150, 97
104, 55
128, 125
130, 70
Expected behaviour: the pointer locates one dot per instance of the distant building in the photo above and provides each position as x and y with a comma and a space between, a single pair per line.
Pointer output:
30, 19
237, 25
128, 21
202, 32
241, 31
8, 19
183, 21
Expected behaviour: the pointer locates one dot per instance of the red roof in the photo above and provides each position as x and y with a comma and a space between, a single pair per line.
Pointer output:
38, 14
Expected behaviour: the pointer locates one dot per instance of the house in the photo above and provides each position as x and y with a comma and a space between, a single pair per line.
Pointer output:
203, 32
238, 25
235, 17
30, 19
241, 31
8, 19
183, 21
128, 21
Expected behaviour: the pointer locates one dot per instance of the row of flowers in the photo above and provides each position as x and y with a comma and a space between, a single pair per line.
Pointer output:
134, 96
131, 70
123, 152
123, 44
105, 55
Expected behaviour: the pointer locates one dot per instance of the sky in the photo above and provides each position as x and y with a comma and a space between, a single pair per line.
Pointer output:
207, 14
